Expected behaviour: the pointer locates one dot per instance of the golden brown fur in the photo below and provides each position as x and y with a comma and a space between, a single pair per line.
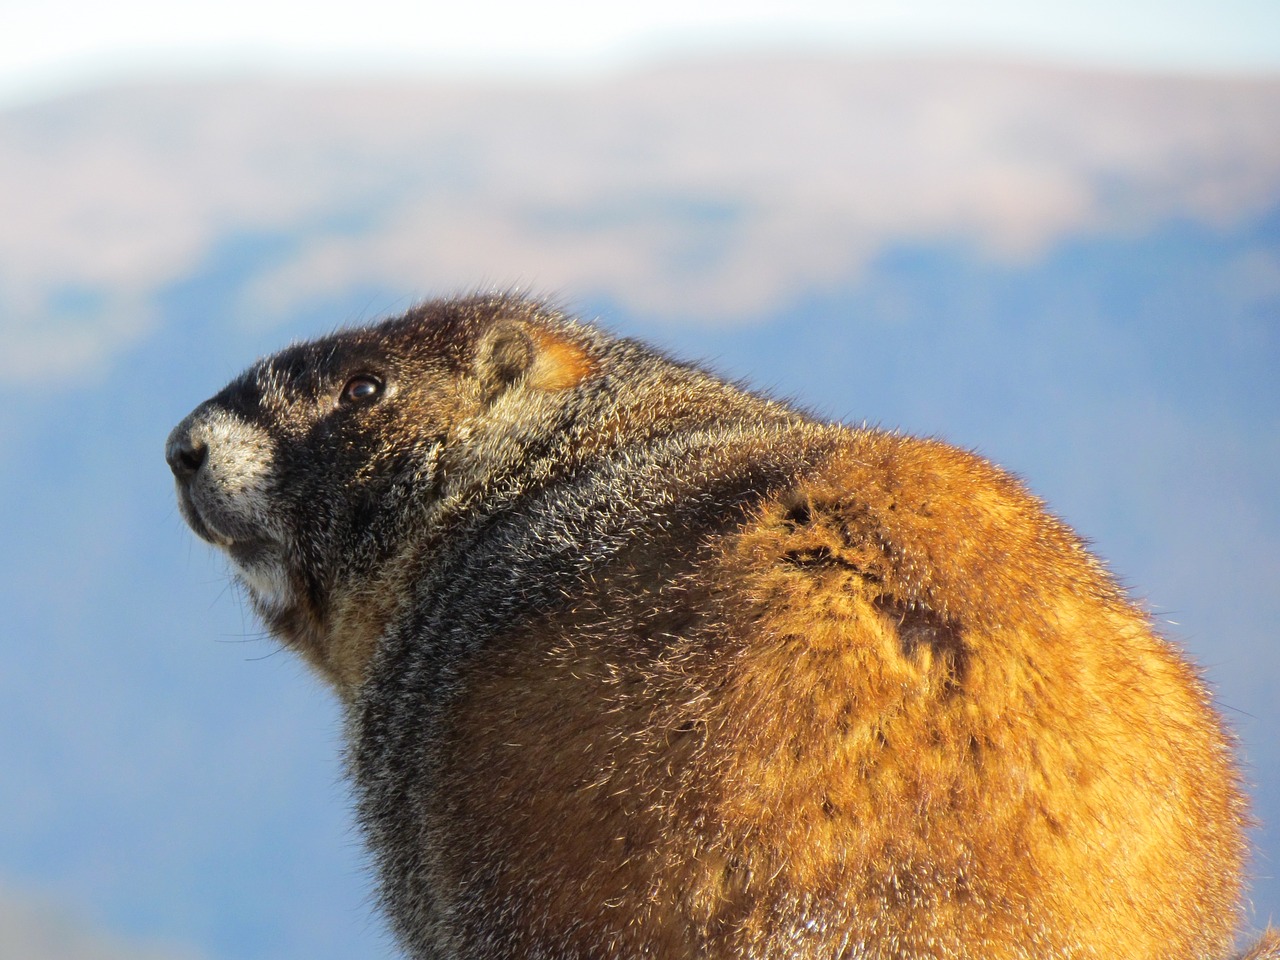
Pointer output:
662, 669
792, 727
1268, 948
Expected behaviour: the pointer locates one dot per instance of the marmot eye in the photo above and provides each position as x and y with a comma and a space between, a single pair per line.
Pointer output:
361, 388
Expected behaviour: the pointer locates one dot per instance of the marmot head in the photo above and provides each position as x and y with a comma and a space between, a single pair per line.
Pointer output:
310, 467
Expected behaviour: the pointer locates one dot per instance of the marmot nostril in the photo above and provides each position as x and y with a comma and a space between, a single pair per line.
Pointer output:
186, 457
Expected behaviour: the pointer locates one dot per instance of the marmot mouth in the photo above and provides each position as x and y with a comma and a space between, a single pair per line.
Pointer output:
244, 547
196, 522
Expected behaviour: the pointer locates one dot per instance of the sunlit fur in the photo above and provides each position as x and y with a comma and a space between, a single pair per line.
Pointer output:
639, 664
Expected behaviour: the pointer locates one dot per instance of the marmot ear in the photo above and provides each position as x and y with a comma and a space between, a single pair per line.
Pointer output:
504, 355
511, 351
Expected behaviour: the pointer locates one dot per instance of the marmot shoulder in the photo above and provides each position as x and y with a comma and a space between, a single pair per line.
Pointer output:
638, 663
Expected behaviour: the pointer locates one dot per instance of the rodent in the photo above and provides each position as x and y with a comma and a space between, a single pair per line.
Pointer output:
638, 663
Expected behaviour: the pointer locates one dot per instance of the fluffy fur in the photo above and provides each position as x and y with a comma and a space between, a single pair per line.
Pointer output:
639, 664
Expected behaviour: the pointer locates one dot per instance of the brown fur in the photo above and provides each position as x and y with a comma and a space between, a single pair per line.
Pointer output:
1268, 948
784, 720
651, 667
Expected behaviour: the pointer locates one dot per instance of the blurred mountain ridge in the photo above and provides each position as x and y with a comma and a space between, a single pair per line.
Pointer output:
716, 189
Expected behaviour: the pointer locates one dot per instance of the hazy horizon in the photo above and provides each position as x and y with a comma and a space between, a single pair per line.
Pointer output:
68, 45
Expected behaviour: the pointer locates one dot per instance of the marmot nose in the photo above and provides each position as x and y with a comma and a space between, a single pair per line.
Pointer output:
185, 455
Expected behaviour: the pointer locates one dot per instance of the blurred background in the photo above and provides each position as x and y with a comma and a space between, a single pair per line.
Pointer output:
1047, 230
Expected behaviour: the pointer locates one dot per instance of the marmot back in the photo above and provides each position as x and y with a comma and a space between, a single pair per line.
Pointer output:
639, 664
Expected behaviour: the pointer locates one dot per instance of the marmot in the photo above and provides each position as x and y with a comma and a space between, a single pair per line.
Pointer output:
638, 663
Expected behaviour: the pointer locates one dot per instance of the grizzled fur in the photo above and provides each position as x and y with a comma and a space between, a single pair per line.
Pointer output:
639, 664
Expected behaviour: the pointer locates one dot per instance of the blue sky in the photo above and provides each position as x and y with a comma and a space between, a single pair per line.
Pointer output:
60, 44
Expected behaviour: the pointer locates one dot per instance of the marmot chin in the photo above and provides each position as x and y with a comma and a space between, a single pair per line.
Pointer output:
637, 663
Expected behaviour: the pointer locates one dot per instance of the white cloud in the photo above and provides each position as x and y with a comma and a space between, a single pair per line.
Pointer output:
712, 188
38, 929
57, 43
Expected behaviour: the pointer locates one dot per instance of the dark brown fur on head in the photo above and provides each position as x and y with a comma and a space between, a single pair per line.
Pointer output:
637, 663
337, 473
